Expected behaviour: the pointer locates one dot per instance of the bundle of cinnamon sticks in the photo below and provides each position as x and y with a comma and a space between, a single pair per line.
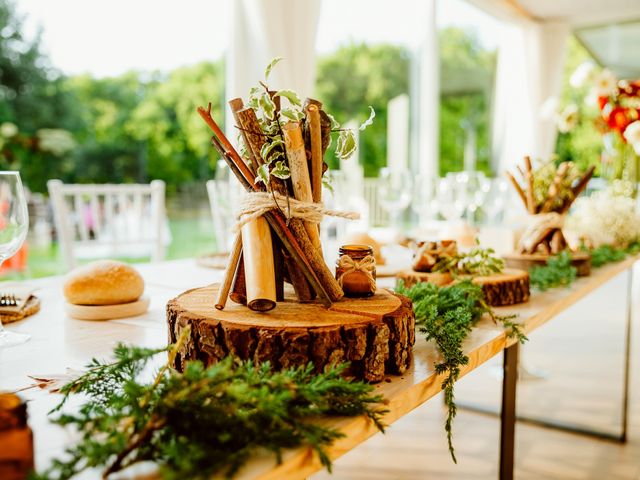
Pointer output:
274, 248
565, 186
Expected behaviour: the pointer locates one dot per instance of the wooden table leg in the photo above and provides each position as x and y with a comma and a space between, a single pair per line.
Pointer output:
627, 356
508, 412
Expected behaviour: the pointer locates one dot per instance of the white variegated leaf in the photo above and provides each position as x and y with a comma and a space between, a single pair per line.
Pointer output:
272, 64
368, 121
290, 95
346, 144
280, 170
263, 174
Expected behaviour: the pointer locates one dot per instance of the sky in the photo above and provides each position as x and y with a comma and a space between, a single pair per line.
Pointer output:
109, 37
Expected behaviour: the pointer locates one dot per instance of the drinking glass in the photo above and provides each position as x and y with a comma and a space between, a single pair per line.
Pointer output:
450, 197
395, 188
496, 199
424, 202
14, 224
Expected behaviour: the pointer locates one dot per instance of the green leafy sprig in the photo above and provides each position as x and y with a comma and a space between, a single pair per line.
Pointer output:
273, 152
476, 262
447, 315
558, 272
205, 420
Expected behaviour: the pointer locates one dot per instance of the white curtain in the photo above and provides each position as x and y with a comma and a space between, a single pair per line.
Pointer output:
531, 59
264, 29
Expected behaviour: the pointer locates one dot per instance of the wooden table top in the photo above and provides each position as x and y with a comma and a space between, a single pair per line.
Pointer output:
59, 342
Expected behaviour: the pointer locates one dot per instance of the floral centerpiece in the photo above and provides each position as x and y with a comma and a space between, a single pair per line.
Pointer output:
616, 104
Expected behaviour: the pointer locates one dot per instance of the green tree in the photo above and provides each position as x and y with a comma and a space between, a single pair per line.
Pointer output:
32, 97
583, 144
176, 141
466, 79
358, 75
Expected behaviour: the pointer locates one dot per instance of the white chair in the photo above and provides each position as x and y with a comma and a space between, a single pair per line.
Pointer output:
109, 220
223, 199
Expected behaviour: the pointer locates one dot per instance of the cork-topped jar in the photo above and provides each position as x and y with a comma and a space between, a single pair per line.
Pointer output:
356, 270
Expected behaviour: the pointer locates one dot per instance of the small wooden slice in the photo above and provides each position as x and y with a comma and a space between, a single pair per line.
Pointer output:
506, 288
411, 277
31, 307
524, 261
374, 334
107, 312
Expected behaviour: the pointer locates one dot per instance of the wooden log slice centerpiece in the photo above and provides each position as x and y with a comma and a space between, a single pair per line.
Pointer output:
580, 260
506, 288
374, 334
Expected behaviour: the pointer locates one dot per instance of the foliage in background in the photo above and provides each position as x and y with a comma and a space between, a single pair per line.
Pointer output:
203, 421
447, 315
478, 262
466, 83
558, 272
583, 144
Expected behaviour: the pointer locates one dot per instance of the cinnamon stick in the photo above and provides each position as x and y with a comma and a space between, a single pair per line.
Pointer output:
518, 188
531, 203
313, 118
229, 273
325, 123
294, 145
300, 249
578, 189
239, 288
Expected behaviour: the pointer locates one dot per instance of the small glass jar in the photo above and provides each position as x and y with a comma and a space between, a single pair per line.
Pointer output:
357, 273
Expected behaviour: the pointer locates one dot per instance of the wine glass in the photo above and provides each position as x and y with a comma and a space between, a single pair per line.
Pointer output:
496, 199
394, 191
450, 198
14, 224
425, 203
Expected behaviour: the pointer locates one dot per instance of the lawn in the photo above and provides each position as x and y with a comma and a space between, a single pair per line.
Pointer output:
191, 235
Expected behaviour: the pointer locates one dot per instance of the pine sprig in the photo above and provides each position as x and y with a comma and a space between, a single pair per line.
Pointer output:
446, 315
556, 273
205, 420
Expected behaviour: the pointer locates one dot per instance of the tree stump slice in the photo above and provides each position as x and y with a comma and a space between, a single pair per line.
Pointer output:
374, 334
524, 261
506, 288
500, 289
411, 277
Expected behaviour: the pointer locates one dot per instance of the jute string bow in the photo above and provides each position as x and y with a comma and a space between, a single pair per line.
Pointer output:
348, 265
539, 226
256, 204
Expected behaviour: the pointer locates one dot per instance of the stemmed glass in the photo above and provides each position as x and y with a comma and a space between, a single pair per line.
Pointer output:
14, 224
451, 198
425, 202
496, 199
394, 189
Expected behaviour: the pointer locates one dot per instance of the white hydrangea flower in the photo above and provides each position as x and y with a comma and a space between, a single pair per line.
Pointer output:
605, 219
568, 118
632, 135
8, 130
605, 83
582, 75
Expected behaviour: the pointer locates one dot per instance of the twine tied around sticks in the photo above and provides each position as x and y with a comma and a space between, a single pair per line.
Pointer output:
348, 265
256, 204
537, 226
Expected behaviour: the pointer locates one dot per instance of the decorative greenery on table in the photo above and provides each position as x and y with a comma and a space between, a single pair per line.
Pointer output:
447, 315
557, 272
204, 421
477, 262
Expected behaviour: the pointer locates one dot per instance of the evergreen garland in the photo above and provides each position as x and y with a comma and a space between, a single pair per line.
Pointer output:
556, 273
205, 420
447, 315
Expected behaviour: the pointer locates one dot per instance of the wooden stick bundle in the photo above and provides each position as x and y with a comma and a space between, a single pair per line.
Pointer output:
294, 237
549, 240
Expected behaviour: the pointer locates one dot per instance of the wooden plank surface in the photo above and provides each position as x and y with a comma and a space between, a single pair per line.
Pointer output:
59, 342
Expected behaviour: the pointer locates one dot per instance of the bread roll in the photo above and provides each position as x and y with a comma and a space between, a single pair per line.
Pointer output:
105, 282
